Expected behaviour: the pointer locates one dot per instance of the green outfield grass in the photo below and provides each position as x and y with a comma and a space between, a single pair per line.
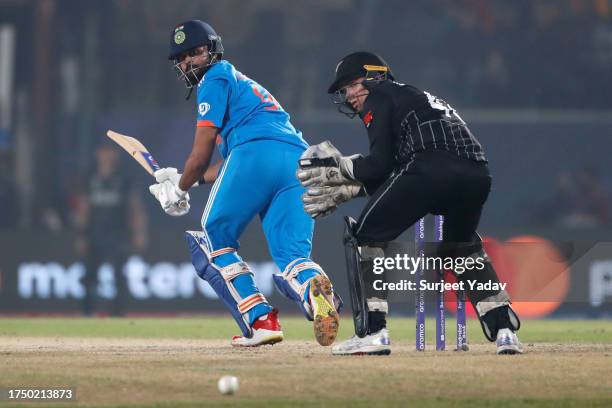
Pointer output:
295, 328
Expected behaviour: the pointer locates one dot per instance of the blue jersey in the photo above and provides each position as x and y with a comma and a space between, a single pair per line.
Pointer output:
242, 109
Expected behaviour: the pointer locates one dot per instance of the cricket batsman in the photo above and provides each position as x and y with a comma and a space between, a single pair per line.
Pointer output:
260, 150
423, 159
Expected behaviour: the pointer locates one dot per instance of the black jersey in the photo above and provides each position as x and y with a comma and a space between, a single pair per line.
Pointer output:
401, 121
108, 199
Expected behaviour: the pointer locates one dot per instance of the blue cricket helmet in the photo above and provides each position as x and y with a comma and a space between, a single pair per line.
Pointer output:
192, 34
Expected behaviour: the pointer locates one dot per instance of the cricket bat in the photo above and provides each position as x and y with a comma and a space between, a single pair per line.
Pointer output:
139, 152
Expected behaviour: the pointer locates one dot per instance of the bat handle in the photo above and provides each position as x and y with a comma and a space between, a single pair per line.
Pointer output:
182, 204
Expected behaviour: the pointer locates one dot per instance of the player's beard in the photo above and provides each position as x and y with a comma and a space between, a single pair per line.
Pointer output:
193, 75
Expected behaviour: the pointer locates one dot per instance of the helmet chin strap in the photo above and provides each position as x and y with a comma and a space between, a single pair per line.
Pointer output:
189, 92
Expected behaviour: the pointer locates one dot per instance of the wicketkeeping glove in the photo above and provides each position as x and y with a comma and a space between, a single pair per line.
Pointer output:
322, 201
324, 165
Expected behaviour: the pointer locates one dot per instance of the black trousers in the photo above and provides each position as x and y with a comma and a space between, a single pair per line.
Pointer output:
434, 182
99, 252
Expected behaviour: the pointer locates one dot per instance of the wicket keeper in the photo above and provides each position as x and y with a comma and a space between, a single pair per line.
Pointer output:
423, 160
260, 150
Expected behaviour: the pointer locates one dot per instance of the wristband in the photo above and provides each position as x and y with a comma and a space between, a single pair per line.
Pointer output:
180, 192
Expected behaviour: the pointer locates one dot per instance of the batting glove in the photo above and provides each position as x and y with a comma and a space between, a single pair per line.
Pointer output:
173, 200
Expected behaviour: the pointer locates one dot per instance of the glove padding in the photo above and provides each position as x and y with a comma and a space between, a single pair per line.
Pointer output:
321, 151
171, 174
168, 173
173, 200
324, 165
321, 201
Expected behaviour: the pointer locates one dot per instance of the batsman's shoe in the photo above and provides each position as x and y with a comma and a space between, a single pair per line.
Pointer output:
325, 317
508, 343
373, 344
266, 330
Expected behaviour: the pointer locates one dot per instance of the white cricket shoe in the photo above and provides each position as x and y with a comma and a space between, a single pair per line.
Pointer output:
266, 330
508, 343
373, 344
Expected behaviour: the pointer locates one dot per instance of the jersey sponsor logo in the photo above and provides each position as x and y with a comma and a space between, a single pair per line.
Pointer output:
203, 108
367, 118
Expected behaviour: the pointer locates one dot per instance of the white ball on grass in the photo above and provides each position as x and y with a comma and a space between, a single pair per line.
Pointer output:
228, 384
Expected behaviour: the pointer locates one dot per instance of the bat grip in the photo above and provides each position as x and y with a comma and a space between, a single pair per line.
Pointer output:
182, 204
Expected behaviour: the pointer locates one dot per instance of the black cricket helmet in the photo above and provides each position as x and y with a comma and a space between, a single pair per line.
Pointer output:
356, 65
188, 37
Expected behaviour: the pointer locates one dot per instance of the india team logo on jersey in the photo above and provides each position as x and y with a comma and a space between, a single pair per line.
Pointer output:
203, 108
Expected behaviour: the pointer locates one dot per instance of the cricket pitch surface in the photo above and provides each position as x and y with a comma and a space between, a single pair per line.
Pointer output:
177, 362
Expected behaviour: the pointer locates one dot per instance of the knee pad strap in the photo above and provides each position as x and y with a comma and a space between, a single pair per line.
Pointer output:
250, 302
221, 279
495, 302
288, 284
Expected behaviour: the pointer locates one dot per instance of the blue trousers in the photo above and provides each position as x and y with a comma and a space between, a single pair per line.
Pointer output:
258, 178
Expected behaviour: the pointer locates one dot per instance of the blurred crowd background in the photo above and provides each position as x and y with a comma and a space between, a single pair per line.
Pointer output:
77, 67
531, 77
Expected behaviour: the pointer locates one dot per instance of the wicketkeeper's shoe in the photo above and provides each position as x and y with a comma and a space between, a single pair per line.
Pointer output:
266, 330
508, 343
373, 344
325, 317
